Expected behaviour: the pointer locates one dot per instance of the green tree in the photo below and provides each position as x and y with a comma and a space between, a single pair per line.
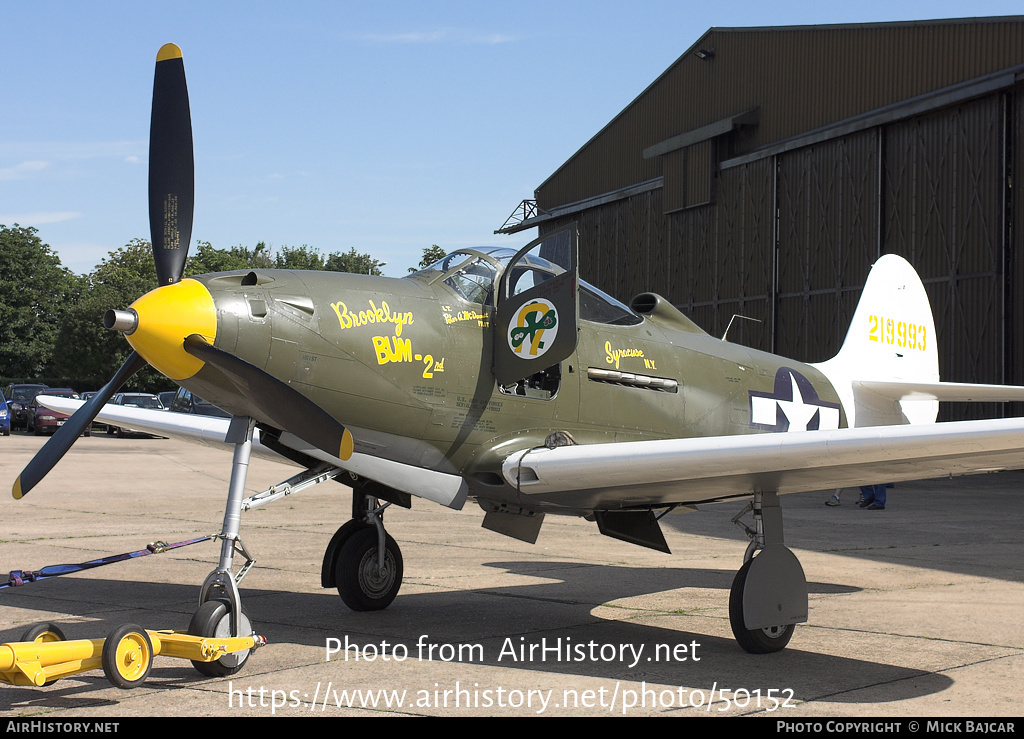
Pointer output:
353, 261
88, 350
430, 255
300, 257
206, 258
35, 291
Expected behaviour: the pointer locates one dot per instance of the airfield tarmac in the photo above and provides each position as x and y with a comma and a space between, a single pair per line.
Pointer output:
915, 611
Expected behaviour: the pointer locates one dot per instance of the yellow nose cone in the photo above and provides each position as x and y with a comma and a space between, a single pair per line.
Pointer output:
167, 316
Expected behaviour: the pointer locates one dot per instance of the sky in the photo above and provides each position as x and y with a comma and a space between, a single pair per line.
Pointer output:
385, 127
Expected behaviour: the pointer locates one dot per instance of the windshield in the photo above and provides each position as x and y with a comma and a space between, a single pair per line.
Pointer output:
471, 273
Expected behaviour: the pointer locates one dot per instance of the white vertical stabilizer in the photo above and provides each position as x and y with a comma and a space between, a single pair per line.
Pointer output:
890, 345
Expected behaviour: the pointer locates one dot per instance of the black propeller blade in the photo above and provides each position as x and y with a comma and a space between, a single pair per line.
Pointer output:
67, 434
275, 402
171, 167
171, 201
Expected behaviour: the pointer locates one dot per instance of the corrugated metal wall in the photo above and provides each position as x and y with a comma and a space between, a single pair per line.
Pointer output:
788, 239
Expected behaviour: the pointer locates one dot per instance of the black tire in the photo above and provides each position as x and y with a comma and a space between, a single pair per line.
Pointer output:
127, 656
43, 632
359, 583
328, 578
214, 619
754, 641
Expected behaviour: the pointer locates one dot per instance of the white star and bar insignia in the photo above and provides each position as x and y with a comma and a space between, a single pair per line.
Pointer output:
794, 406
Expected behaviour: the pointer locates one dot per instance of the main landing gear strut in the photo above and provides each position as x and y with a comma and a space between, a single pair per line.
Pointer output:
362, 561
769, 593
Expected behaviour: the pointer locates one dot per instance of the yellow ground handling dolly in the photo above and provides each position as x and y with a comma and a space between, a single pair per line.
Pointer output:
44, 655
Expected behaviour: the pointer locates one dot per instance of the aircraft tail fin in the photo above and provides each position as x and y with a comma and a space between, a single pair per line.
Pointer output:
887, 371
889, 351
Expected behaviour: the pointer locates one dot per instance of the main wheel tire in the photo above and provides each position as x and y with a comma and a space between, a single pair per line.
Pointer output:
127, 656
754, 641
213, 619
360, 582
328, 570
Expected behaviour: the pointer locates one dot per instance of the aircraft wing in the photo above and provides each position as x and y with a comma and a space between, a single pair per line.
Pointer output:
643, 473
448, 490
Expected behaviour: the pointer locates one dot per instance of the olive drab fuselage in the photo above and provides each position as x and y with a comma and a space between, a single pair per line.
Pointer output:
406, 365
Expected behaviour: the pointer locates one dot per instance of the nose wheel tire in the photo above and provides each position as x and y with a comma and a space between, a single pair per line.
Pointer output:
754, 641
361, 582
127, 656
213, 619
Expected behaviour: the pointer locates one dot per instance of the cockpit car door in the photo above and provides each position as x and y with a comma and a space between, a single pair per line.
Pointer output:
537, 307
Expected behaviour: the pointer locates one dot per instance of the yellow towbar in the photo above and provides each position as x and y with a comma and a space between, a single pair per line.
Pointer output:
44, 655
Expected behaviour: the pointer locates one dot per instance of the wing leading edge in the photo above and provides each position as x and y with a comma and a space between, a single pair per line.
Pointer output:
447, 490
644, 473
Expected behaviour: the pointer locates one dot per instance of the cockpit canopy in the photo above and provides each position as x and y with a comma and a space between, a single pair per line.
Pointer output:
472, 275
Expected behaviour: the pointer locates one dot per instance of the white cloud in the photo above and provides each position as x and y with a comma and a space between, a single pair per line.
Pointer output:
72, 150
20, 171
39, 218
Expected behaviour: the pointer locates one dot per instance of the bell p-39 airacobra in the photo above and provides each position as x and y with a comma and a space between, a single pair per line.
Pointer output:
499, 376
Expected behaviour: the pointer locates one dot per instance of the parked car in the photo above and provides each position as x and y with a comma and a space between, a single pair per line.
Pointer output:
166, 397
5, 416
187, 402
95, 425
18, 399
41, 420
134, 400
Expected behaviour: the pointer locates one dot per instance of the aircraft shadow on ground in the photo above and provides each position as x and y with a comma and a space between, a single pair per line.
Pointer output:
496, 623
925, 526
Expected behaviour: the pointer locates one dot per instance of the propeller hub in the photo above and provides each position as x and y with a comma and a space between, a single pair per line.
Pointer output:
125, 321
165, 317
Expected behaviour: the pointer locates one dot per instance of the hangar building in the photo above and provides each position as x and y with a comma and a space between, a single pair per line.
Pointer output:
765, 171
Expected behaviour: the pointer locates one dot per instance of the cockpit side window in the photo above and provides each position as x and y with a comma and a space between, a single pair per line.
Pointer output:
523, 279
598, 307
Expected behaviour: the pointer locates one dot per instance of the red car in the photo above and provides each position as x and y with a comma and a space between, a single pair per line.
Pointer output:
42, 420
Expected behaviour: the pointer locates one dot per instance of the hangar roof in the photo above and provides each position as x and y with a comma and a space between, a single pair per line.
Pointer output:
751, 88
